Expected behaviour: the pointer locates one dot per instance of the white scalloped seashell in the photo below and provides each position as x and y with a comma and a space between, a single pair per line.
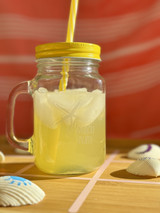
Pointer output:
145, 167
2, 157
21, 151
17, 191
145, 150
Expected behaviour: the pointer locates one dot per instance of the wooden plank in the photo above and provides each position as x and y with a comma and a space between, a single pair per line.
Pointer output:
122, 198
114, 191
60, 194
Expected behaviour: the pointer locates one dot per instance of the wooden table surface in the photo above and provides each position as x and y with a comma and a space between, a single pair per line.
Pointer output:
110, 189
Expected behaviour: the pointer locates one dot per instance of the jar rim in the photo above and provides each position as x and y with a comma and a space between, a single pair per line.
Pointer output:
68, 49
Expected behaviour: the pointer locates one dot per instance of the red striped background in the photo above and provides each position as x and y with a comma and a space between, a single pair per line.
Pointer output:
129, 34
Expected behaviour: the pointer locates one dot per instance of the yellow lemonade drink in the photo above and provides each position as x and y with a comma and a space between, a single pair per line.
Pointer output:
69, 130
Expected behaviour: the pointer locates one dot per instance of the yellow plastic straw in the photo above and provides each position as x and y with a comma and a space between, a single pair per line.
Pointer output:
65, 68
69, 38
72, 21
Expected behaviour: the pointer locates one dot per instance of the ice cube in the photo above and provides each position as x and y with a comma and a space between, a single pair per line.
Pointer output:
71, 105
66, 100
90, 111
42, 90
46, 113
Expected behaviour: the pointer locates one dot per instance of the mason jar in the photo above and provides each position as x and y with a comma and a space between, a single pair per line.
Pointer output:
69, 109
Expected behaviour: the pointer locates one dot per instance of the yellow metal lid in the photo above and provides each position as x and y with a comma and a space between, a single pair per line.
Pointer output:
68, 49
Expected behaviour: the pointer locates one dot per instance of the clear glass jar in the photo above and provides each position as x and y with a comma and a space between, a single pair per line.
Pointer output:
69, 125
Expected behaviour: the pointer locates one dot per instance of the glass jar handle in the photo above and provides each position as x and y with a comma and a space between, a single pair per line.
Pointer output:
21, 88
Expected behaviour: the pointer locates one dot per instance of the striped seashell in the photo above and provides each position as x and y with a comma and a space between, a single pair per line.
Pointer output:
145, 166
2, 157
17, 191
145, 150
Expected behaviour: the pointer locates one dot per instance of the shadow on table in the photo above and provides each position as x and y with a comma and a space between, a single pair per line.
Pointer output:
29, 171
123, 174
